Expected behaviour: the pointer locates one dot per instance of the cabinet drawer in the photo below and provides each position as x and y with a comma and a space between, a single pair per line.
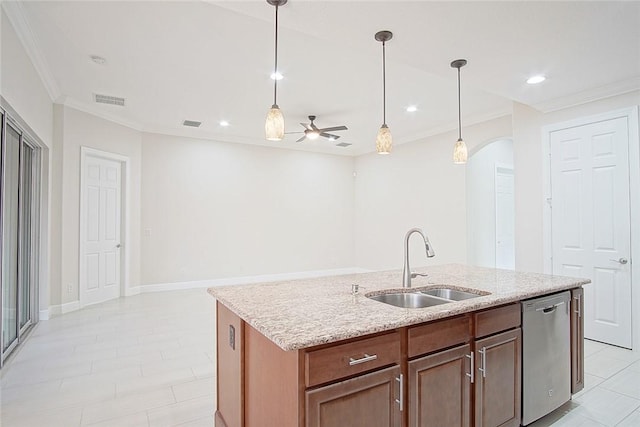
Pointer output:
494, 320
343, 360
438, 335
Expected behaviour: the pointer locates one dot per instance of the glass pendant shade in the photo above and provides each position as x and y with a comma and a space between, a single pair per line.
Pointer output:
460, 152
274, 125
384, 142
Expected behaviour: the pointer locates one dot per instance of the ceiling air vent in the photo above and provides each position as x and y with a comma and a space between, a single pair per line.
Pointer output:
191, 123
343, 144
106, 99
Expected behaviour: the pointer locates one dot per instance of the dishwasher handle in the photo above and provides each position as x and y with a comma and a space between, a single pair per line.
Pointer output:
550, 309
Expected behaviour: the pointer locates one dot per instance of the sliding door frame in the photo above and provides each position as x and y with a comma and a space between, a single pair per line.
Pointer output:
33, 244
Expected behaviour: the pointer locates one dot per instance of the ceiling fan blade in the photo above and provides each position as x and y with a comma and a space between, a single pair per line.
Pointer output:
302, 139
333, 128
328, 135
306, 126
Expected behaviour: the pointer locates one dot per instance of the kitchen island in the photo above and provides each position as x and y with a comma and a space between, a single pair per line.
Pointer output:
314, 353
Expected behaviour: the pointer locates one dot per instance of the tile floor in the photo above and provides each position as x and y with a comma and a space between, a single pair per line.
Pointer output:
148, 360
145, 360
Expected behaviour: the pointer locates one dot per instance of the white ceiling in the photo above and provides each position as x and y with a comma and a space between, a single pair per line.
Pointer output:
211, 60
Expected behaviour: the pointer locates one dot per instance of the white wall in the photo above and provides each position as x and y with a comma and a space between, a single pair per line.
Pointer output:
481, 200
214, 210
528, 166
82, 129
416, 186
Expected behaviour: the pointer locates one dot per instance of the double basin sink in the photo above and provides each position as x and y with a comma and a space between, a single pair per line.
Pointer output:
423, 298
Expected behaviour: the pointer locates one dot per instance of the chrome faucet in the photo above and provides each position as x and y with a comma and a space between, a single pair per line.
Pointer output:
407, 275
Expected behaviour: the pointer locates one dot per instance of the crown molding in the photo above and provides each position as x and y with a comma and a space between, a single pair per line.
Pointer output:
96, 111
590, 95
17, 16
471, 120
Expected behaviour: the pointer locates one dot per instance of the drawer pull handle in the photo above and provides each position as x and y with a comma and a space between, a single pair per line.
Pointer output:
472, 370
483, 363
365, 359
400, 401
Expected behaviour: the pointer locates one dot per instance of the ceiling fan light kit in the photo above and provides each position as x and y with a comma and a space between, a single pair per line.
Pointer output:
460, 149
384, 141
274, 124
311, 131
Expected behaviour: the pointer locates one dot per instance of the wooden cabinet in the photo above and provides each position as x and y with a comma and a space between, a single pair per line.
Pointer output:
369, 400
351, 358
440, 389
498, 363
459, 371
230, 373
498, 380
577, 340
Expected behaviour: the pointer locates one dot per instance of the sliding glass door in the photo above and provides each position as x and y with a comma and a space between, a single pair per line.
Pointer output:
19, 190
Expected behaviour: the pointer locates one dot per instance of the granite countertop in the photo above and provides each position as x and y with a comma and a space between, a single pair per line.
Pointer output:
298, 314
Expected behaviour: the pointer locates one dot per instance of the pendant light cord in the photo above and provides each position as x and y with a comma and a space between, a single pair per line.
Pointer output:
275, 75
384, 85
459, 119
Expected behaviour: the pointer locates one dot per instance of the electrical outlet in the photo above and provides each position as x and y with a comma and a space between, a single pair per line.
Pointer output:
70, 287
232, 337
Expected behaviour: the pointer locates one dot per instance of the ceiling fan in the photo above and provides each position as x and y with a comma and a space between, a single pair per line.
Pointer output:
311, 131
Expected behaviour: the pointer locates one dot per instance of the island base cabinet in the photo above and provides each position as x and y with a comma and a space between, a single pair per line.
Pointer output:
498, 380
440, 389
370, 400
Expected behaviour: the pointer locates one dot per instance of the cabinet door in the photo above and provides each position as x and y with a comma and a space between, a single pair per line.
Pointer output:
440, 389
498, 380
371, 400
577, 340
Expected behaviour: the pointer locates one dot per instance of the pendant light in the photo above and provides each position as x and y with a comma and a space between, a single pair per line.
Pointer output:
460, 149
274, 125
384, 142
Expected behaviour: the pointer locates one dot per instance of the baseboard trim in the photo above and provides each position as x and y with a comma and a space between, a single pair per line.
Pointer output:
133, 290
244, 280
56, 310
44, 314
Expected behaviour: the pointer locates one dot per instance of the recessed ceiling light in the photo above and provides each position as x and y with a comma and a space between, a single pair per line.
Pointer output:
536, 79
224, 123
412, 109
277, 76
98, 59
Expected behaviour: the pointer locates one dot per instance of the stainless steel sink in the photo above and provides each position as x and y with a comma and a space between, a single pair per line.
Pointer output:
408, 299
450, 294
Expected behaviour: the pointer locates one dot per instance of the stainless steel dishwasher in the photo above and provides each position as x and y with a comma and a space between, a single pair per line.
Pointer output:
546, 355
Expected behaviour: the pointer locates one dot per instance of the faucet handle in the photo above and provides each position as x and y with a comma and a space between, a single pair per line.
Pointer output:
414, 275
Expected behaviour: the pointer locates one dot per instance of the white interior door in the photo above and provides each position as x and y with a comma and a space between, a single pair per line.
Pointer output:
505, 214
590, 221
101, 204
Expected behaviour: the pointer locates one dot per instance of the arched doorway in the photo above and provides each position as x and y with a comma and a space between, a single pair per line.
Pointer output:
490, 205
